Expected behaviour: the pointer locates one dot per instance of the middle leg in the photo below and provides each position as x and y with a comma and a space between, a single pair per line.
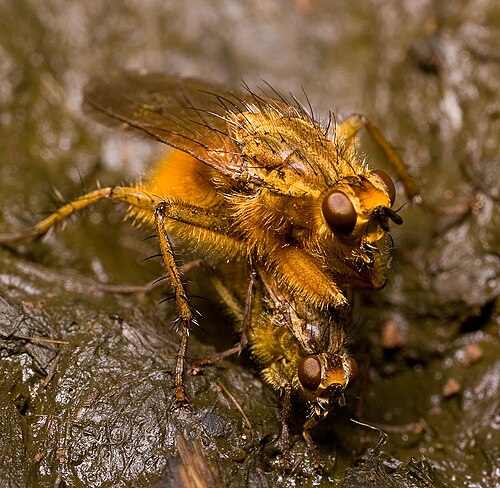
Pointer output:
242, 315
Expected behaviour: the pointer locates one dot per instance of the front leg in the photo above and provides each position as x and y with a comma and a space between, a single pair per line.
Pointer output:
347, 132
197, 225
299, 273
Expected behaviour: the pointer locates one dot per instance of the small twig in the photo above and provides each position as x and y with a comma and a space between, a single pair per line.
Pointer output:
382, 435
41, 339
409, 428
238, 407
52, 370
195, 471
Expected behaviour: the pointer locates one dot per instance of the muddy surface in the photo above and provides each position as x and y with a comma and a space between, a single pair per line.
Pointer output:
86, 376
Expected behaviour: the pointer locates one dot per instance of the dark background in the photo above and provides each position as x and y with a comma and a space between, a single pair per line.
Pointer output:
89, 407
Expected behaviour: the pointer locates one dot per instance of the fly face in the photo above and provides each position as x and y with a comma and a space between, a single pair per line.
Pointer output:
303, 349
357, 213
324, 378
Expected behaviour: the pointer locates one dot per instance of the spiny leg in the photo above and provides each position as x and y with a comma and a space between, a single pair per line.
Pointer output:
184, 313
245, 318
148, 287
201, 218
141, 200
348, 130
129, 195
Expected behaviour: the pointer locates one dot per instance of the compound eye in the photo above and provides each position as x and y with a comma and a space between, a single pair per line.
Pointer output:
339, 212
310, 373
386, 180
352, 371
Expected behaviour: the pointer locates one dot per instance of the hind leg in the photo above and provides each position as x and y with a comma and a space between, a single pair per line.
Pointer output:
131, 196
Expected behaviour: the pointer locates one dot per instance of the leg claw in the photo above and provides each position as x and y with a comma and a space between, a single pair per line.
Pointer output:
181, 403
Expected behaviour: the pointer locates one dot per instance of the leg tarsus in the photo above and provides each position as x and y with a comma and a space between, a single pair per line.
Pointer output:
318, 461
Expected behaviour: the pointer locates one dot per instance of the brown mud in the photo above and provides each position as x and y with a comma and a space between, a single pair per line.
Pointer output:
86, 377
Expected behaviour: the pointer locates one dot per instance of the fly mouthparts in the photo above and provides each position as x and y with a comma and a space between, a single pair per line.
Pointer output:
382, 214
395, 217
336, 395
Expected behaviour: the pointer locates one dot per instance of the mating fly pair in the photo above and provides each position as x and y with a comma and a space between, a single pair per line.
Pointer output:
255, 179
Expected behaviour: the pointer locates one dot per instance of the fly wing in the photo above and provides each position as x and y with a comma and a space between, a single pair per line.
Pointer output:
187, 114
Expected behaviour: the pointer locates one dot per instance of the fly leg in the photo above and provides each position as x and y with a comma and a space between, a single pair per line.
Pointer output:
199, 364
243, 316
171, 215
348, 130
184, 313
134, 197
286, 411
318, 460
148, 287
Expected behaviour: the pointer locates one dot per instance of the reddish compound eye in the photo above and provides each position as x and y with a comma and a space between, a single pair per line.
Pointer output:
309, 371
339, 212
386, 180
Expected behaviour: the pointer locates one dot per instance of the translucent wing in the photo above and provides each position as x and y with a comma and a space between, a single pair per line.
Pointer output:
184, 113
